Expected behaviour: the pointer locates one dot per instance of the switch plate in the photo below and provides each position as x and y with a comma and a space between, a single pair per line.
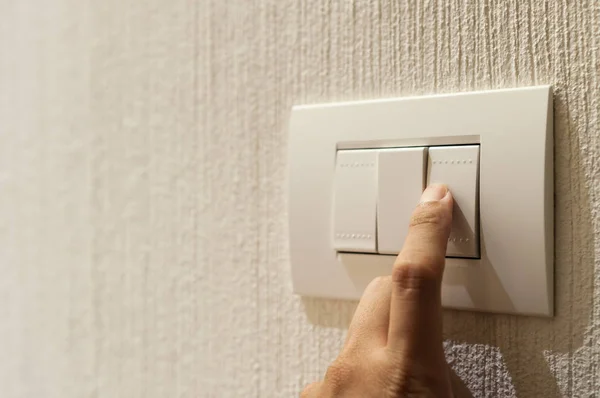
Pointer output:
458, 167
513, 127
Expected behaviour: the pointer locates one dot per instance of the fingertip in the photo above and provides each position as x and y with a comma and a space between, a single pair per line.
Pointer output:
434, 193
438, 193
448, 198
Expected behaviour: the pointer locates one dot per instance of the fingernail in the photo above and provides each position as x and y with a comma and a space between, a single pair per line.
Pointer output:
434, 193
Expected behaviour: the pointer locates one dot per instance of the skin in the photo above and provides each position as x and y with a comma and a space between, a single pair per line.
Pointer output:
394, 344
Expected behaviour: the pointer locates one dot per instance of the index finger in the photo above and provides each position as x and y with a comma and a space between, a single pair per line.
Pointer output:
415, 312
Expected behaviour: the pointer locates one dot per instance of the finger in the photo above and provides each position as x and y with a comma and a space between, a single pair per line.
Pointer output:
370, 323
415, 313
311, 390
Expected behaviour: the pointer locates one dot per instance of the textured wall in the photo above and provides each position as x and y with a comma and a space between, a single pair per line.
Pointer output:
143, 188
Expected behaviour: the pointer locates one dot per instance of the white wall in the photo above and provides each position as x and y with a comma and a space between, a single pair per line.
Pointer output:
143, 243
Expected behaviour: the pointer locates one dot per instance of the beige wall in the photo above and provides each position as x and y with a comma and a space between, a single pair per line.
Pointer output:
143, 244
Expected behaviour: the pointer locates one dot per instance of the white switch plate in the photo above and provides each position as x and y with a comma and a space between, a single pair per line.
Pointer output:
513, 127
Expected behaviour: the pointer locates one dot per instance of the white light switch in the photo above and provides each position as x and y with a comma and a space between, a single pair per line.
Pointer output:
458, 167
401, 179
355, 200
337, 245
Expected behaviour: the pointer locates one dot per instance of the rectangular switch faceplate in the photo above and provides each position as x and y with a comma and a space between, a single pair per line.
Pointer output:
337, 154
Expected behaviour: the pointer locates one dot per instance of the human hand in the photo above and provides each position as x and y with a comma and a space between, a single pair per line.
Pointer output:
394, 344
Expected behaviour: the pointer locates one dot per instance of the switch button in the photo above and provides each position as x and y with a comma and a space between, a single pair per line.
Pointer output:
458, 168
355, 201
401, 177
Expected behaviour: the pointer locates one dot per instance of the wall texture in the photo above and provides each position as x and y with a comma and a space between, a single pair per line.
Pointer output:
143, 247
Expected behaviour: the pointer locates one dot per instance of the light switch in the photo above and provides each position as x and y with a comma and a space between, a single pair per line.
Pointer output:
458, 168
355, 201
401, 179
334, 164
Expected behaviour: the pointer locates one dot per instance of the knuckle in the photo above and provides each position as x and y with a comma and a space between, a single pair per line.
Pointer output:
378, 367
377, 282
410, 379
309, 391
415, 276
379, 360
428, 213
339, 373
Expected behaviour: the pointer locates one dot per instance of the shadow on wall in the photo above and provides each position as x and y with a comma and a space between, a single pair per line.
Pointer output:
508, 355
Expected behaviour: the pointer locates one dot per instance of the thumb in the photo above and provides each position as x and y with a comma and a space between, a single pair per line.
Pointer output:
416, 310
